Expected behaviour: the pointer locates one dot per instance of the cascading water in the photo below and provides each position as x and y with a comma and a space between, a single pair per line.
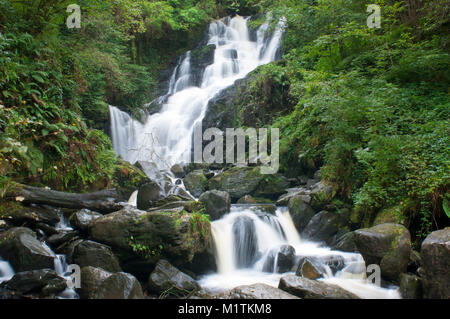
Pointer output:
247, 245
6, 271
166, 137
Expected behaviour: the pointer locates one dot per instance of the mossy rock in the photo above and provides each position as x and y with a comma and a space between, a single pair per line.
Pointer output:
128, 178
196, 183
388, 245
241, 181
140, 239
389, 215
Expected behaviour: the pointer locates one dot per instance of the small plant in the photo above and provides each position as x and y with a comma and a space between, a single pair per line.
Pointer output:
143, 250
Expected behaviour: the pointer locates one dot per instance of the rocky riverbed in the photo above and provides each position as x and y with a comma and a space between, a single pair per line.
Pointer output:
165, 246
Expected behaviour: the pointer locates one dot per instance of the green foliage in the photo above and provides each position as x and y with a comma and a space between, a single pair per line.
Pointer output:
143, 250
199, 222
372, 106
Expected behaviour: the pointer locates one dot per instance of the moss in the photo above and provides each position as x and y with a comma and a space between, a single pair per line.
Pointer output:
7, 208
127, 178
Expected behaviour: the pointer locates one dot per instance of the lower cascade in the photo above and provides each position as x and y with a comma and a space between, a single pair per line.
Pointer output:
247, 245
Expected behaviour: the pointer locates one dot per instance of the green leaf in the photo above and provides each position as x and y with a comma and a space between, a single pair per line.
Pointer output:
446, 207
38, 78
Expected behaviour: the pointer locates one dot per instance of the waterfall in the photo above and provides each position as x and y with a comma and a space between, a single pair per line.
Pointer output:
247, 245
165, 138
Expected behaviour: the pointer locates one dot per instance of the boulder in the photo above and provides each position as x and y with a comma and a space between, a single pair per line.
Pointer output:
241, 181
321, 194
257, 292
280, 259
387, 245
217, 203
435, 252
301, 213
167, 280
97, 283
312, 289
42, 281
319, 264
58, 239
410, 286
140, 239
196, 183
149, 194
303, 192
346, 243
177, 170
90, 253
82, 218
20, 215
322, 227
310, 269
24, 252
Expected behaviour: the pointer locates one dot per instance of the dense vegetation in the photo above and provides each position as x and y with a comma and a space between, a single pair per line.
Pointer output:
370, 106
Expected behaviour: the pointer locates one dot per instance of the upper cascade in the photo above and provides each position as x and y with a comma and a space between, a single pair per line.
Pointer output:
165, 138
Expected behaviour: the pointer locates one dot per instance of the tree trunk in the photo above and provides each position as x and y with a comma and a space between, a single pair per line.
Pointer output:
103, 201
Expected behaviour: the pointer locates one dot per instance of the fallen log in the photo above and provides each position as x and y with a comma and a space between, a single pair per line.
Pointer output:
103, 201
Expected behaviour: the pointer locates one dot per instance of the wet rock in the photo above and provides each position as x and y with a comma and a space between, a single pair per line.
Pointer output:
310, 270
435, 252
169, 281
35, 281
322, 227
196, 183
334, 262
201, 57
241, 181
410, 286
280, 259
177, 170
24, 252
89, 253
301, 192
301, 213
82, 218
346, 243
217, 203
258, 291
148, 194
97, 283
312, 289
60, 238
387, 245
285, 258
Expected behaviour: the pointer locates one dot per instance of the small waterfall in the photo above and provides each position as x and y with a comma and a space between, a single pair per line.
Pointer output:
6, 271
165, 138
248, 244
61, 268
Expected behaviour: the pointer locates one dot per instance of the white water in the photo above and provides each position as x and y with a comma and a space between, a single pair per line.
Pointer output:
271, 232
166, 137
6, 271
